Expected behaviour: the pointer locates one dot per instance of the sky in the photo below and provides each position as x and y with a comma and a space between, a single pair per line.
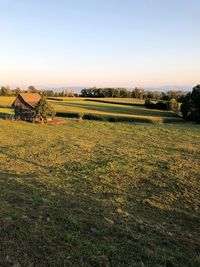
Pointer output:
122, 43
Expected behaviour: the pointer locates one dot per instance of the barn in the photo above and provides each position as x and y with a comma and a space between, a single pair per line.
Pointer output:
24, 105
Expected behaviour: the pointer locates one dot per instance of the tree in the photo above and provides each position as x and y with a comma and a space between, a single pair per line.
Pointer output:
195, 96
5, 91
173, 104
43, 110
138, 93
174, 94
70, 94
17, 91
186, 107
32, 89
191, 105
157, 95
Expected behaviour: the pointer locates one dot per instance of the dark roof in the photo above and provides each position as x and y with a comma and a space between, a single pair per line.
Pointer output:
30, 98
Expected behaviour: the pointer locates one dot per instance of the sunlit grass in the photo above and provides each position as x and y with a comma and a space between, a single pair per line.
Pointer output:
6, 100
136, 111
99, 194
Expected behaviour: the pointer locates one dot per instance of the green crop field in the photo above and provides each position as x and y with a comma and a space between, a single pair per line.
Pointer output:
99, 194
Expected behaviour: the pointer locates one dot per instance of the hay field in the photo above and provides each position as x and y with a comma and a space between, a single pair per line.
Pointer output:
99, 194
119, 109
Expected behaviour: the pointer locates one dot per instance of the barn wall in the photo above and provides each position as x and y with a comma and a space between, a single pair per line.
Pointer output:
22, 109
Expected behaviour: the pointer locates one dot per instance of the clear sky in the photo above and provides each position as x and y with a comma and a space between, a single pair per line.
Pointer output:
99, 42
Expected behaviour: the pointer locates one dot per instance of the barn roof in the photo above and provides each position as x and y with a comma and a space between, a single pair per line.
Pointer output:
30, 98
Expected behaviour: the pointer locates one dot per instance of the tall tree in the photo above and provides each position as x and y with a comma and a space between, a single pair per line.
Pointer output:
191, 105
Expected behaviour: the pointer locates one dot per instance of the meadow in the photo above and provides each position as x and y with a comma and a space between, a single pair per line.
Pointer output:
92, 193
116, 109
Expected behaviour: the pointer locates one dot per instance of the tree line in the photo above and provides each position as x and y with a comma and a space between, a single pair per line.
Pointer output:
190, 102
189, 107
99, 92
7, 91
176, 100
135, 93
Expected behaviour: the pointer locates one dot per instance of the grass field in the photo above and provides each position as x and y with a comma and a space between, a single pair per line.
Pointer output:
135, 112
99, 194
107, 108
6, 101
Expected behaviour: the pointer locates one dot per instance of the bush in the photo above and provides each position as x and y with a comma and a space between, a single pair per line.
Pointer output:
161, 105
111, 118
68, 114
148, 103
95, 117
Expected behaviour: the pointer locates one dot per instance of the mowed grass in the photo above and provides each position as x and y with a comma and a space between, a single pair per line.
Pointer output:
99, 194
6, 100
121, 100
107, 108
121, 108
136, 110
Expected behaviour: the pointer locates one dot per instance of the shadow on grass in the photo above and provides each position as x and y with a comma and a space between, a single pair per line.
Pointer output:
66, 219
116, 102
131, 110
4, 115
3, 150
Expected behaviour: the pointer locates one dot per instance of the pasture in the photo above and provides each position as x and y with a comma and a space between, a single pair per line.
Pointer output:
99, 194
118, 109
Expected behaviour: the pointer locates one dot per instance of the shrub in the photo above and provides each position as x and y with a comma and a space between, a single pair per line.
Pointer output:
90, 116
148, 103
161, 105
68, 114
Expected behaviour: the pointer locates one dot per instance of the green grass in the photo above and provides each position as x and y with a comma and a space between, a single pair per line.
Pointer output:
134, 112
121, 100
6, 112
127, 110
99, 194
6, 100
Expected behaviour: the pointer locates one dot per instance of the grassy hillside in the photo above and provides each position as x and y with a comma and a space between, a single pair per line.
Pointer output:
7, 100
118, 109
99, 194
107, 108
